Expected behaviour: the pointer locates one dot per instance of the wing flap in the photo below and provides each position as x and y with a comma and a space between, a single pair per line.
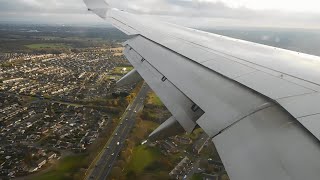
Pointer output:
269, 144
130, 78
312, 123
303, 105
170, 127
177, 103
224, 101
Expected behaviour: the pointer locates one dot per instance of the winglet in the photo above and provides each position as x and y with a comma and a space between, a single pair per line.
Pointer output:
99, 7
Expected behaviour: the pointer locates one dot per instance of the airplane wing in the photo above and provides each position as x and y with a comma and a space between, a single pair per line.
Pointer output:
260, 105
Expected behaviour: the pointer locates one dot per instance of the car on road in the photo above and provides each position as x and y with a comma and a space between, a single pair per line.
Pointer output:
112, 154
116, 134
118, 143
135, 111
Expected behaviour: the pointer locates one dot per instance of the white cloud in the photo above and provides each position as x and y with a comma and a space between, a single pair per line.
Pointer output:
284, 5
279, 13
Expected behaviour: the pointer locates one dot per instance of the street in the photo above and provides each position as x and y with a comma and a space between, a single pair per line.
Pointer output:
109, 155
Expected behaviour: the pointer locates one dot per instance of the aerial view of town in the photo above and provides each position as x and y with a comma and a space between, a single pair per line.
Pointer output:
159, 90
63, 117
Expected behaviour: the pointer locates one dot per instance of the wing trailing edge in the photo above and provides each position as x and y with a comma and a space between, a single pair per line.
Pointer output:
130, 78
99, 7
258, 104
169, 128
182, 108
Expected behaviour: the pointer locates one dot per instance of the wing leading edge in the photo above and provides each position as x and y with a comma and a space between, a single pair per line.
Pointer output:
259, 104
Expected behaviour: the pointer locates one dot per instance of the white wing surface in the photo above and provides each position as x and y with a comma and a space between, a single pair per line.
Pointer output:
259, 104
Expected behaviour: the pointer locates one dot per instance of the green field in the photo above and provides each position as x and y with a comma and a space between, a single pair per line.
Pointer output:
65, 169
154, 99
116, 77
142, 156
195, 134
148, 125
118, 70
197, 177
48, 46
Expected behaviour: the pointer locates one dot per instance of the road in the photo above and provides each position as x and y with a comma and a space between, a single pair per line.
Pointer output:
109, 155
193, 169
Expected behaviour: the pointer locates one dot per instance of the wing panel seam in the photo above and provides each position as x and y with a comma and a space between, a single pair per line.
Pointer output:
262, 107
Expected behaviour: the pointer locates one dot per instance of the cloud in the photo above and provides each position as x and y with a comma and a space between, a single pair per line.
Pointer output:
42, 6
214, 13
200, 13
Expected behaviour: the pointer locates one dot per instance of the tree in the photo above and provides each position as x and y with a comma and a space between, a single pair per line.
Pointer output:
125, 154
123, 102
120, 164
131, 175
154, 166
116, 173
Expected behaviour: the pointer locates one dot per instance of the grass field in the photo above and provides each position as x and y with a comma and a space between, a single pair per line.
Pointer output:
154, 99
64, 169
197, 177
142, 156
195, 134
47, 46
118, 70
144, 128
148, 125
116, 77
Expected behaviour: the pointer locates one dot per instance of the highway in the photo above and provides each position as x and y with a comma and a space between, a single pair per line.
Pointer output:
108, 156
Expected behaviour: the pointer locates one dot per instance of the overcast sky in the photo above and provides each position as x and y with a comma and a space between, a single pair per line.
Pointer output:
197, 13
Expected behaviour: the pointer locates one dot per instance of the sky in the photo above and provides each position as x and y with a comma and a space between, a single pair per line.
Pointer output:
193, 13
